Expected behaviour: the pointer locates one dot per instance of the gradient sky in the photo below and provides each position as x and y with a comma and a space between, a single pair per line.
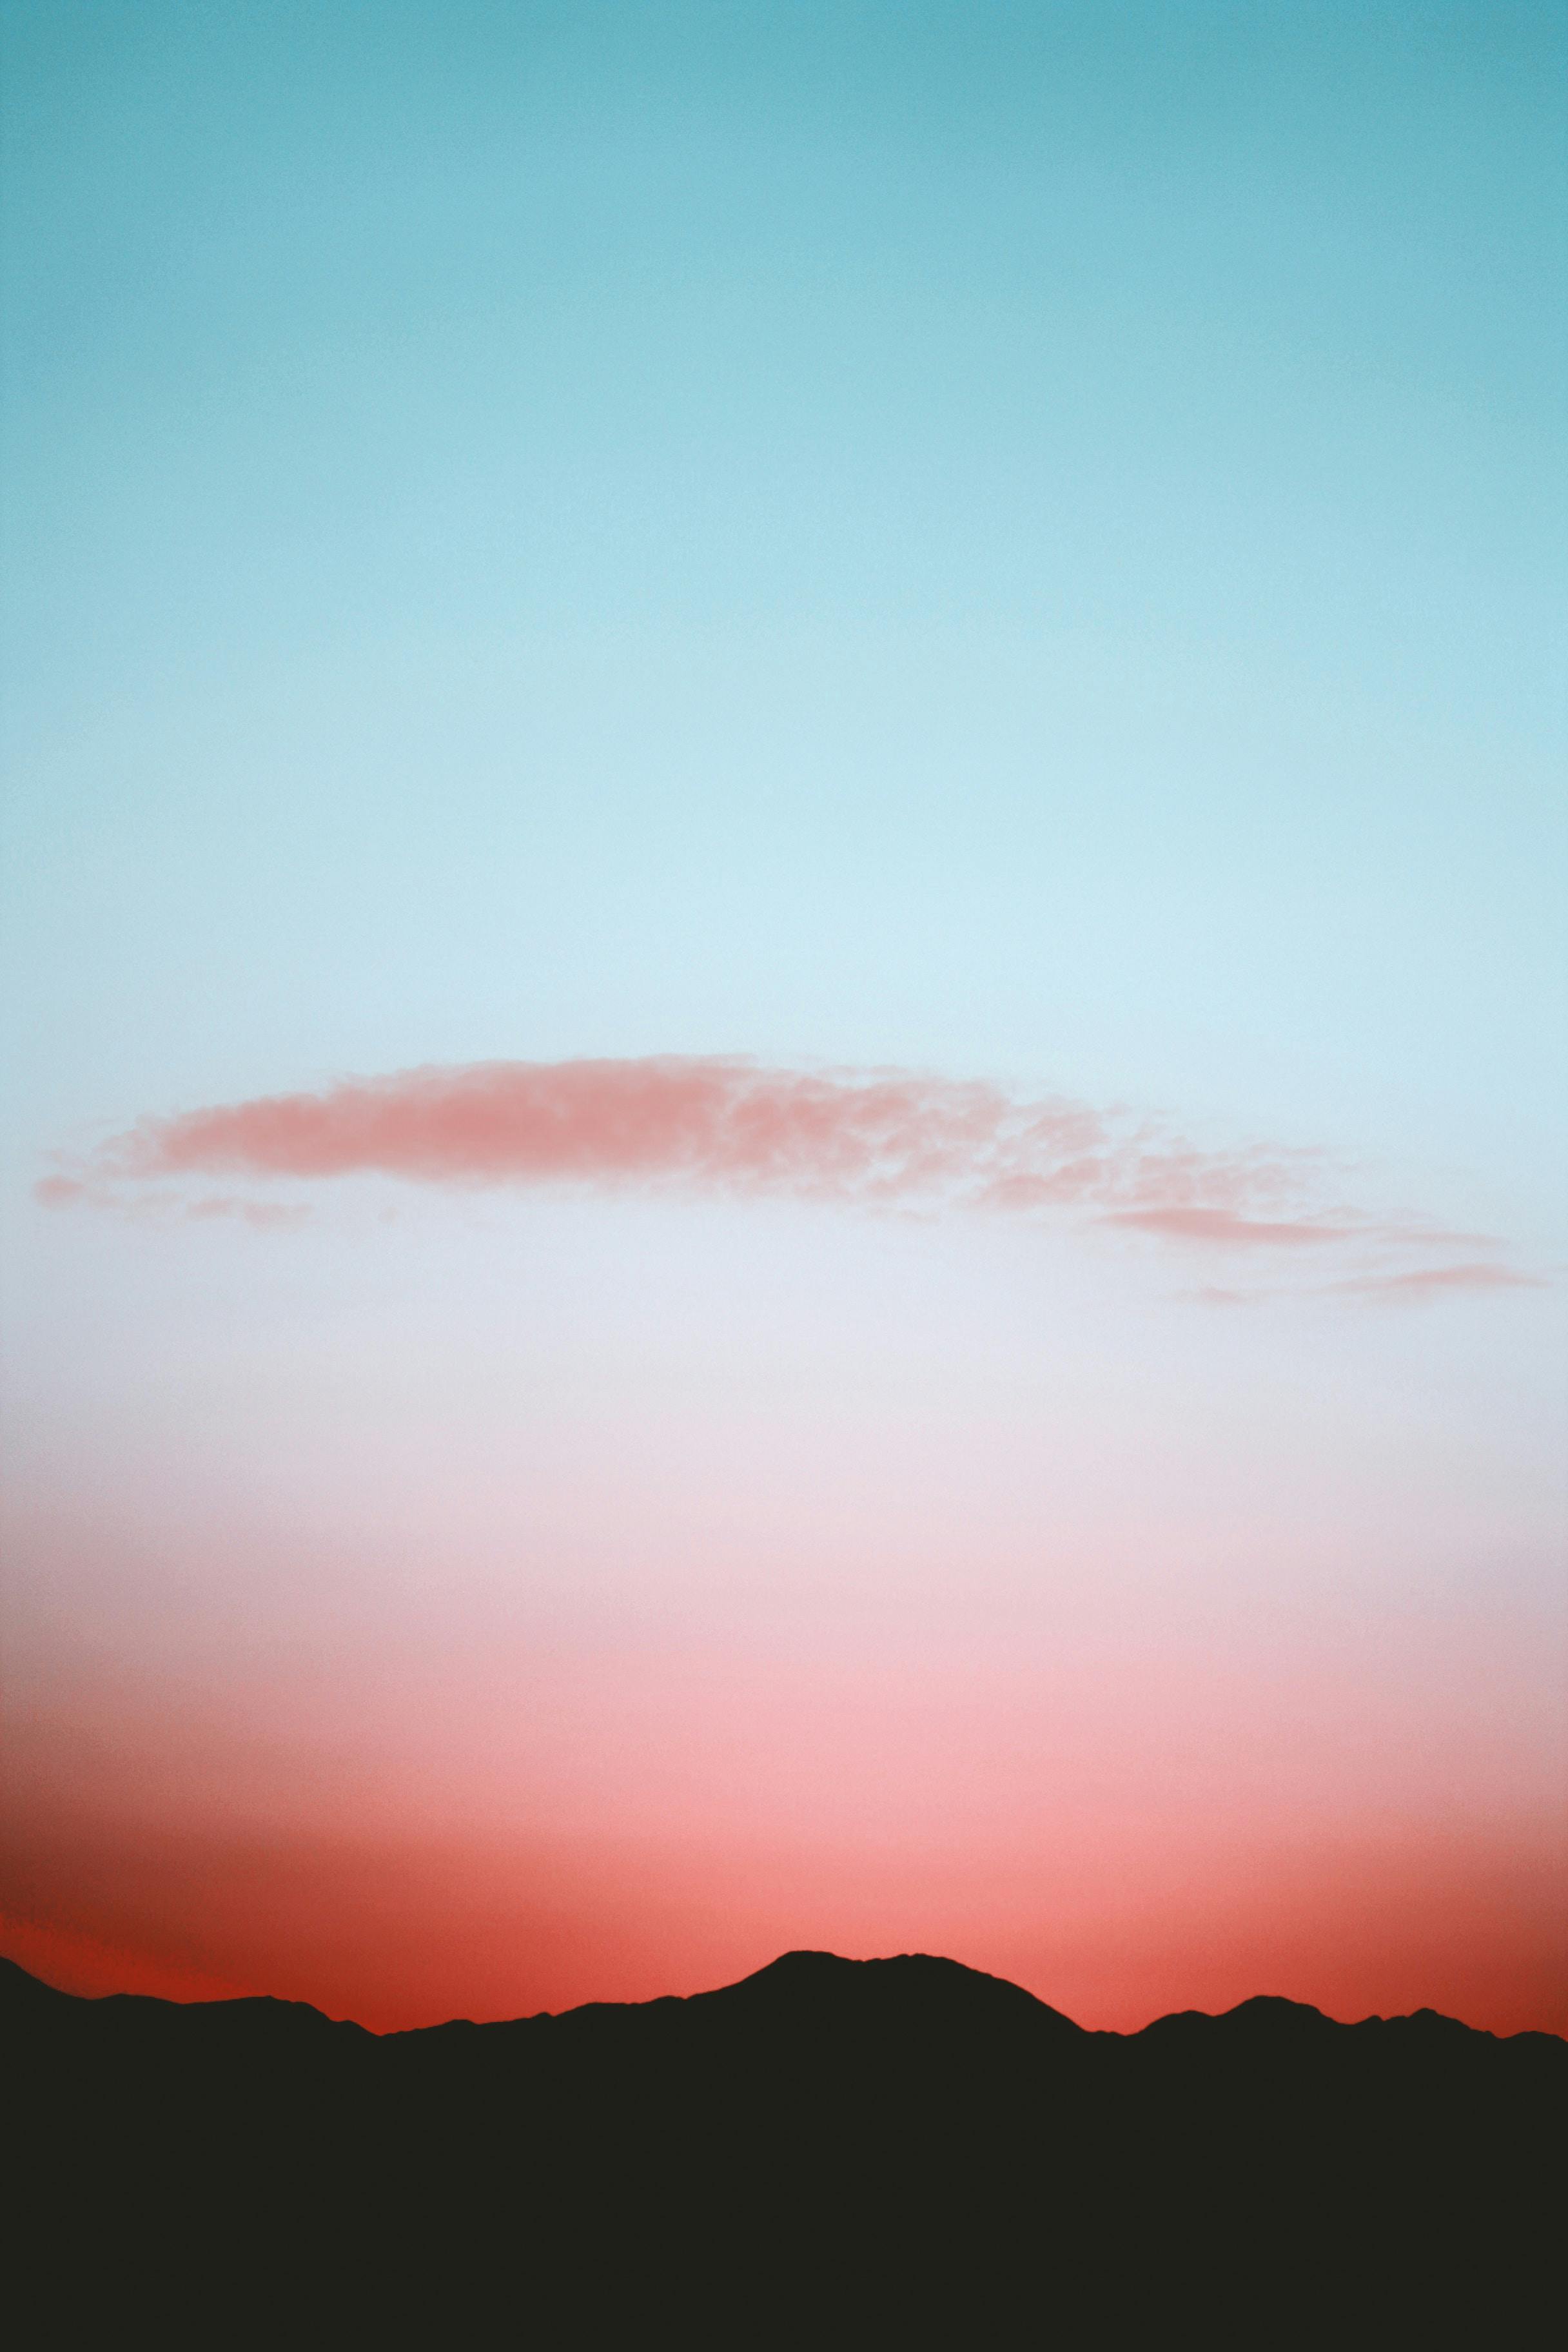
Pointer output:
785, 874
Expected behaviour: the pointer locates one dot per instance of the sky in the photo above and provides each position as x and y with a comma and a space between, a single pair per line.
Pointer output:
782, 886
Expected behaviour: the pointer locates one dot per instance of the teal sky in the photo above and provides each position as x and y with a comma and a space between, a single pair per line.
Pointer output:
1019, 542
1024, 537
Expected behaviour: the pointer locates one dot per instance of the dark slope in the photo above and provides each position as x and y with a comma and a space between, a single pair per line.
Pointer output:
864, 2152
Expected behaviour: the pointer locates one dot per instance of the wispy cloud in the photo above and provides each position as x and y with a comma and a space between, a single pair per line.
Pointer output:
265, 1215
1436, 1281
1227, 1228
885, 1137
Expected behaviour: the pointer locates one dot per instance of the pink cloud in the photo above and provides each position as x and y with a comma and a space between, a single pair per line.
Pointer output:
724, 1124
712, 1125
729, 1125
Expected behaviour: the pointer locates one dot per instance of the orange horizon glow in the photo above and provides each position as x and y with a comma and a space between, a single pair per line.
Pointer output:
316, 1855
1455, 1943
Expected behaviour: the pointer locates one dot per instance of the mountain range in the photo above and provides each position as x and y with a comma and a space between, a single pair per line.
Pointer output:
831, 2151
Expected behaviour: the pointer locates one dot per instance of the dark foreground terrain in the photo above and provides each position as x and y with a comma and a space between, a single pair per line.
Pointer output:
832, 2152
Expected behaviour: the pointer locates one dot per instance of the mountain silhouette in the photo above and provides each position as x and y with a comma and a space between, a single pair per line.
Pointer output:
830, 2151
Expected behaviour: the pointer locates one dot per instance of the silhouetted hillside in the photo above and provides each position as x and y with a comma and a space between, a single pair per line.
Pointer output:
865, 2152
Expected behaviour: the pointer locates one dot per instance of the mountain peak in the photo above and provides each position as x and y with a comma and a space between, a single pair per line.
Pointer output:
908, 1988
